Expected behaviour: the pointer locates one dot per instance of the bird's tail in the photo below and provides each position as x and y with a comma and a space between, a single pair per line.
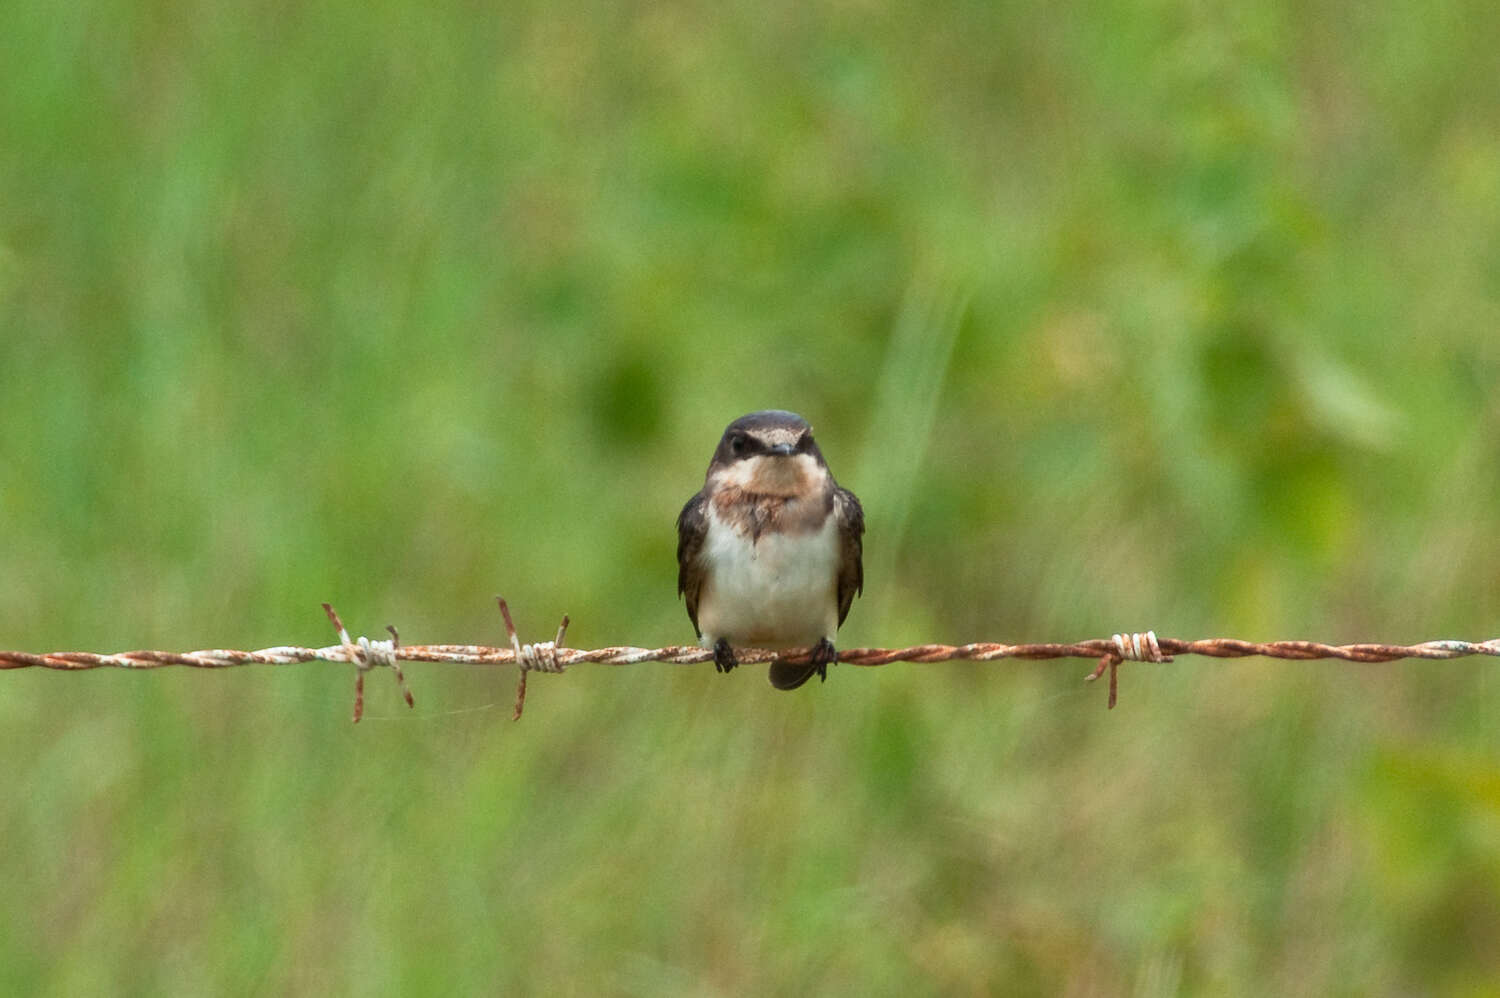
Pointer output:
785, 676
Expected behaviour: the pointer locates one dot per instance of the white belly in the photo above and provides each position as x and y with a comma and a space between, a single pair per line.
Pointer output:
778, 592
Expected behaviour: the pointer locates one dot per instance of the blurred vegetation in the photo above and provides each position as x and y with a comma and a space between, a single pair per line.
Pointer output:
1116, 316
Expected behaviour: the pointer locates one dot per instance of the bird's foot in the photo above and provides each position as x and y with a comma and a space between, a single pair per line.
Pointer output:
822, 655
724, 660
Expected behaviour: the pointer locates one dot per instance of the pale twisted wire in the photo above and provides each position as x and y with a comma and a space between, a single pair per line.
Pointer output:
551, 656
219, 658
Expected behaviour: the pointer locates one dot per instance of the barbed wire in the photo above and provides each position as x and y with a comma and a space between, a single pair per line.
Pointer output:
551, 656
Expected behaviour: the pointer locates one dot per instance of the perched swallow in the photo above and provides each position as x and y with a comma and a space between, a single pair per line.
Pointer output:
769, 552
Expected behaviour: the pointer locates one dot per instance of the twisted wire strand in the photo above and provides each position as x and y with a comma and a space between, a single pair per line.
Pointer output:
551, 656
221, 658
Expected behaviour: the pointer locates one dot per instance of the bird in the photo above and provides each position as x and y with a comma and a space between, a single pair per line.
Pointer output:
770, 550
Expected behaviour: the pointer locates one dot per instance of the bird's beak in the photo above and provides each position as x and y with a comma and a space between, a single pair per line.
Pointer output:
782, 450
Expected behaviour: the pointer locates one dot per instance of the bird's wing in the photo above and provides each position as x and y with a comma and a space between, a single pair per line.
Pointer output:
692, 528
851, 521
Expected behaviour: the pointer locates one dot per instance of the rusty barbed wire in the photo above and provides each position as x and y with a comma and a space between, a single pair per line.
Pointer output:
551, 656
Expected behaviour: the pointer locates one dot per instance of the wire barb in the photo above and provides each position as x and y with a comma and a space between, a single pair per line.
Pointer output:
540, 657
367, 655
1126, 648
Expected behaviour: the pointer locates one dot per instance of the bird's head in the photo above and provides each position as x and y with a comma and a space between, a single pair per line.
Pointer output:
769, 453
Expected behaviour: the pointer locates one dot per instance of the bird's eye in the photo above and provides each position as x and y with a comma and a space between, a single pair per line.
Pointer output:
737, 444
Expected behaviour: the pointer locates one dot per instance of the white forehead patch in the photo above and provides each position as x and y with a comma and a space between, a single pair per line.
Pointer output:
778, 435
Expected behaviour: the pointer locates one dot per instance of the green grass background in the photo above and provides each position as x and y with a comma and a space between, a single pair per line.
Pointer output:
1118, 316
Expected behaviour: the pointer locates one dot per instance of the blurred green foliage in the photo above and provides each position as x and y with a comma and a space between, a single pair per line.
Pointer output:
1116, 316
